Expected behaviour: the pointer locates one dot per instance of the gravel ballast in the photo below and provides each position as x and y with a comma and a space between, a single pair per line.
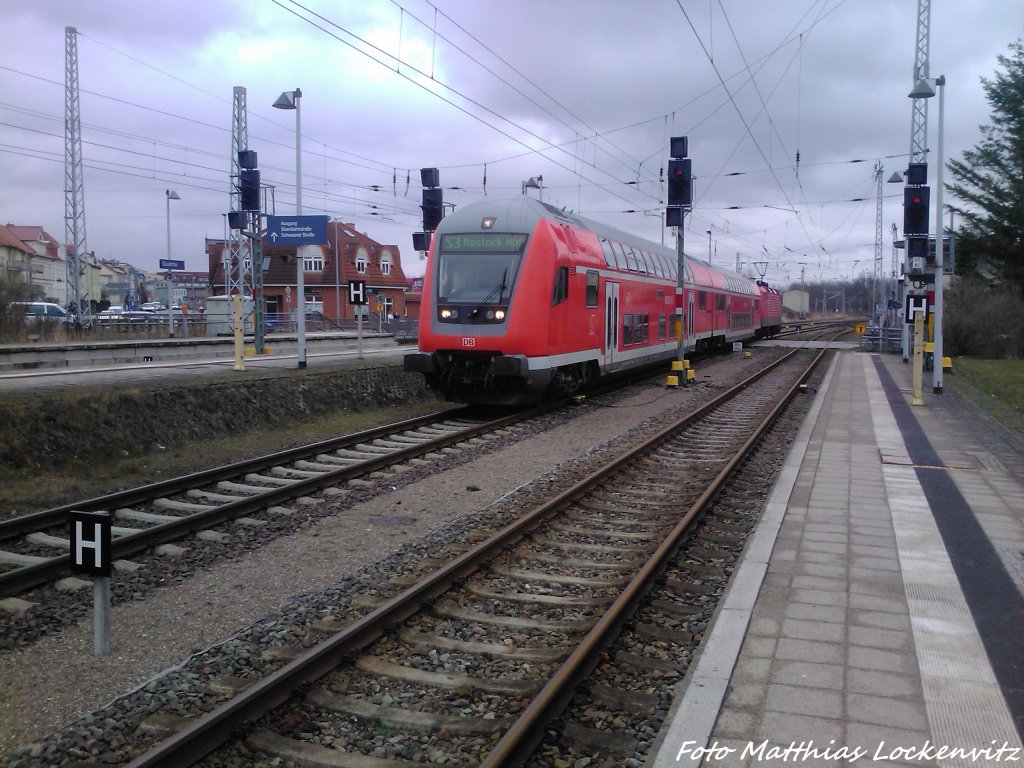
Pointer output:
57, 680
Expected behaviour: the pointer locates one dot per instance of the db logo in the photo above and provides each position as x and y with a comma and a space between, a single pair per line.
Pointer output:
467, 342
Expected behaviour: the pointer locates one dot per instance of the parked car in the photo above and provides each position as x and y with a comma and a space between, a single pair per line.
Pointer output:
41, 311
154, 306
110, 314
135, 316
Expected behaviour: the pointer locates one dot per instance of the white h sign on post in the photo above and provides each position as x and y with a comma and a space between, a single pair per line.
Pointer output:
91, 555
916, 303
357, 297
357, 292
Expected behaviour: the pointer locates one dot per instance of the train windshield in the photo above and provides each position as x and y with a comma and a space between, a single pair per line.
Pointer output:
479, 268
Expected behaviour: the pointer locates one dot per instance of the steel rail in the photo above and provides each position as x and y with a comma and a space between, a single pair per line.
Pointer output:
528, 731
22, 579
19, 526
211, 730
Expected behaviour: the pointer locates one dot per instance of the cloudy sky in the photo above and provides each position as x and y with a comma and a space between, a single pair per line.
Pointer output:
584, 93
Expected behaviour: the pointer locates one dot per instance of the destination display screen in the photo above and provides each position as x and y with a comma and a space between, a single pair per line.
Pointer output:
490, 242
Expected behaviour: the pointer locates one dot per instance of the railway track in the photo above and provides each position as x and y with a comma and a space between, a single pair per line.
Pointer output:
470, 659
34, 549
174, 528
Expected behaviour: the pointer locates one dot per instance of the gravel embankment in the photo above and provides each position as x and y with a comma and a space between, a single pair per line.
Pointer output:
57, 680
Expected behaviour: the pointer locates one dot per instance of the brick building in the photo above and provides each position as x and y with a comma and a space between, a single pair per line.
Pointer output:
349, 255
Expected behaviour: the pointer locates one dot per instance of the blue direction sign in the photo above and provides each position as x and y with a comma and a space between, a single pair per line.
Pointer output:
297, 230
172, 264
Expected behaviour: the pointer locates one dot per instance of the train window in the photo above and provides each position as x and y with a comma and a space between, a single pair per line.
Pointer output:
592, 284
620, 257
661, 327
630, 259
561, 288
627, 330
642, 265
609, 254
757, 304
702, 300
719, 301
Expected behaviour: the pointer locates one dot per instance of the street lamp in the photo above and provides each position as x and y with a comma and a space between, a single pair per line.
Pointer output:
291, 100
925, 89
171, 195
709, 244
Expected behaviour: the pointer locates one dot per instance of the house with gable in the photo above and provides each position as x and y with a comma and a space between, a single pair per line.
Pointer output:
43, 266
348, 255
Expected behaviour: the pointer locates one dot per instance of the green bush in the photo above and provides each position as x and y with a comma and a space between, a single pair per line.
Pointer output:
983, 321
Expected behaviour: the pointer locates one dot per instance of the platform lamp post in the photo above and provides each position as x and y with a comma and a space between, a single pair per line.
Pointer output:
171, 195
291, 100
925, 89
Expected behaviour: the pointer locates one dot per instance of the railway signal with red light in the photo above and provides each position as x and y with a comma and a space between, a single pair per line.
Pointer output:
915, 210
680, 187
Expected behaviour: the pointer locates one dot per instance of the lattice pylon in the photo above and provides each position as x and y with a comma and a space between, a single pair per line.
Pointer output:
74, 184
238, 269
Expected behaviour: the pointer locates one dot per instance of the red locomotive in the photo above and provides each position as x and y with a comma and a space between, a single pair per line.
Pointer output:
522, 300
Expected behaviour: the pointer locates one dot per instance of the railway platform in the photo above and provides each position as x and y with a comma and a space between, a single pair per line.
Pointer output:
71, 365
877, 616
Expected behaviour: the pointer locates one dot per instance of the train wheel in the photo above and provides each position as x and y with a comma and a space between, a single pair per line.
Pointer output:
568, 380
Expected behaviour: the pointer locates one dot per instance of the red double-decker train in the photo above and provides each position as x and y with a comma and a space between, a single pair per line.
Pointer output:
523, 301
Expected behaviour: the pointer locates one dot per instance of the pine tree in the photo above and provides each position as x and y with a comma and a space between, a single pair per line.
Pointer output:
990, 180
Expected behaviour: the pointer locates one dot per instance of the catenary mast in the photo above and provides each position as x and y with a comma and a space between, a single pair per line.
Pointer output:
919, 110
918, 117
74, 184
238, 268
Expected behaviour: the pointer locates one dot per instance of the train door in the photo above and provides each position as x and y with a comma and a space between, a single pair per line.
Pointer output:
611, 322
689, 319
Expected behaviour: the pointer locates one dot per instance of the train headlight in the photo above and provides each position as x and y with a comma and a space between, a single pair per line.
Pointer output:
449, 313
490, 314
499, 314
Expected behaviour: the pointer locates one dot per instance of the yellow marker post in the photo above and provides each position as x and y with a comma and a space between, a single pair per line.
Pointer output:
236, 319
918, 358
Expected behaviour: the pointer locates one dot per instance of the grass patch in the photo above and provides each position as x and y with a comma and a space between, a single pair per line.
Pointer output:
996, 386
23, 490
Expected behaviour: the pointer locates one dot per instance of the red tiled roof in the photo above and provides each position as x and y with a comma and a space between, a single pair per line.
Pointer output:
30, 233
10, 239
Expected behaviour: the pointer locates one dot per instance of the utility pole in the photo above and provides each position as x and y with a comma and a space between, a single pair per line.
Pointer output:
803, 294
918, 123
680, 198
876, 280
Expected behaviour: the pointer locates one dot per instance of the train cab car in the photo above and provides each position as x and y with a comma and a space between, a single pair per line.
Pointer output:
522, 301
510, 308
